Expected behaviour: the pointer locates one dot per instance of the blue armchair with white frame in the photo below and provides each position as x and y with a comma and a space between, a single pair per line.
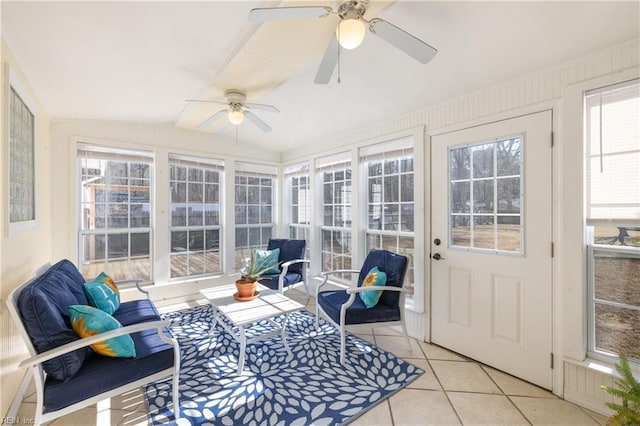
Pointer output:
291, 264
343, 308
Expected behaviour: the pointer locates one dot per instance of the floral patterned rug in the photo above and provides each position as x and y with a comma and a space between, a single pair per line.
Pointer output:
310, 387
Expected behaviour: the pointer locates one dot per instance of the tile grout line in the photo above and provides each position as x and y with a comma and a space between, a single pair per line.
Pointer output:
446, 395
505, 394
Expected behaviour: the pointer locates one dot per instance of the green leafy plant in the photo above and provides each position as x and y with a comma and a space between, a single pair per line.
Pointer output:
254, 266
628, 391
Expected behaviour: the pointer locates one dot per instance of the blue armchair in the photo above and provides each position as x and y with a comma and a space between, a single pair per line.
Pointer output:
344, 308
292, 265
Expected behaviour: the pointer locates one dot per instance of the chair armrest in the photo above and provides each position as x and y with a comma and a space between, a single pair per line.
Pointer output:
285, 265
86, 341
379, 288
340, 271
137, 282
326, 275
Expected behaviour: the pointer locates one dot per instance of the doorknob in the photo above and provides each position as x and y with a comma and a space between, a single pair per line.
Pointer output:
436, 256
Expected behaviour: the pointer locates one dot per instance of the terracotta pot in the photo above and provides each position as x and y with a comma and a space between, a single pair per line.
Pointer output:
246, 288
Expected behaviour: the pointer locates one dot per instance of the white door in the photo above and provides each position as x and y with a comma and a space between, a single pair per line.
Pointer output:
491, 244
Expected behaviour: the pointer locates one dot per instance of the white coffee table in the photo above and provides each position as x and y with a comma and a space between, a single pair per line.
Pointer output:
267, 306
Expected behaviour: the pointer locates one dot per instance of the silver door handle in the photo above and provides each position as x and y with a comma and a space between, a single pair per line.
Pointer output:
436, 256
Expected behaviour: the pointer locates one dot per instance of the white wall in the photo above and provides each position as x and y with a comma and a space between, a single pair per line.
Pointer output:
21, 253
553, 88
542, 89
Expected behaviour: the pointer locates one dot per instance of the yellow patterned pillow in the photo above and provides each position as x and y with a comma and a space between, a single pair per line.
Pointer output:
375, 278
88, 321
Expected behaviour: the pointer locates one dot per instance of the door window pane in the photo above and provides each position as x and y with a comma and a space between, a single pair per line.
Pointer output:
485, 196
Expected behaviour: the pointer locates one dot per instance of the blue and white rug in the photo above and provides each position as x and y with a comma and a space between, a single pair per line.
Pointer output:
310, 387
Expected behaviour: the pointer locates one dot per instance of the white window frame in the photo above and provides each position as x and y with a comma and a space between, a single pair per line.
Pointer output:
334, 164
107, 151
395, 150
260, 171
594, 249
14, 84
204, 165
298, 229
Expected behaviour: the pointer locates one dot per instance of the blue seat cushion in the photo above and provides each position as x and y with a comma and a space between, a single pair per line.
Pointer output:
136, 311
101, 373
289, 250
271, 281
331, 301
44, 306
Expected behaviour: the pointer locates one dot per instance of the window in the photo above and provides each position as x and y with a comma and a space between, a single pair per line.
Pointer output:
195, 185
335, 178
22, 181
115, 205
485, 196
254, 198
390, 200
299, 202
612, 147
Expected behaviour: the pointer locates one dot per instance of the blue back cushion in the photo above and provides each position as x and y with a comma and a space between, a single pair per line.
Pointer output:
44, 305
76, 279
394, 265
289, 250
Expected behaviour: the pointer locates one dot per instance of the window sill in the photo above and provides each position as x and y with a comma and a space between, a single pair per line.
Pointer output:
603, 367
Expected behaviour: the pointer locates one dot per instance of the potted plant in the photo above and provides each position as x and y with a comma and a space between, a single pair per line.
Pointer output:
628, 390
254, 266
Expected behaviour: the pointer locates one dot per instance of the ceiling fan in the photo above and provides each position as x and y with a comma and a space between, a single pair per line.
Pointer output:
237, 110
349, 33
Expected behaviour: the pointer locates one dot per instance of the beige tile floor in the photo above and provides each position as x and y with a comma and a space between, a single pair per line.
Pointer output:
453, 390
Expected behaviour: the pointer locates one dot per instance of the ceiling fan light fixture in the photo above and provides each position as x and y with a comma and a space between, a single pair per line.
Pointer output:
350, 32
236, 115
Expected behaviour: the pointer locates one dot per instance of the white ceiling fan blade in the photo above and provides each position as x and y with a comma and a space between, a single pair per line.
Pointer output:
207, 101
263, 107
277, 13
206, 123
328, 63
404, 41
257, 121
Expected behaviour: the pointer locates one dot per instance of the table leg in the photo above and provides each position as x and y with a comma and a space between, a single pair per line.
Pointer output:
243, 347
214, 322
284, 334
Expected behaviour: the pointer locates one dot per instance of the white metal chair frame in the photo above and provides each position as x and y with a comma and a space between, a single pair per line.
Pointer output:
34, 363
283, 274
353, 291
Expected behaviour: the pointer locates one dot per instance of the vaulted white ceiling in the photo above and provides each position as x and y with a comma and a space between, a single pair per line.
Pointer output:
140, 61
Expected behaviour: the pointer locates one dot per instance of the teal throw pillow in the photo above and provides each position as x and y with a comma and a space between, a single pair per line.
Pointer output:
375, 278
267, 261
88, 321
103, 293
